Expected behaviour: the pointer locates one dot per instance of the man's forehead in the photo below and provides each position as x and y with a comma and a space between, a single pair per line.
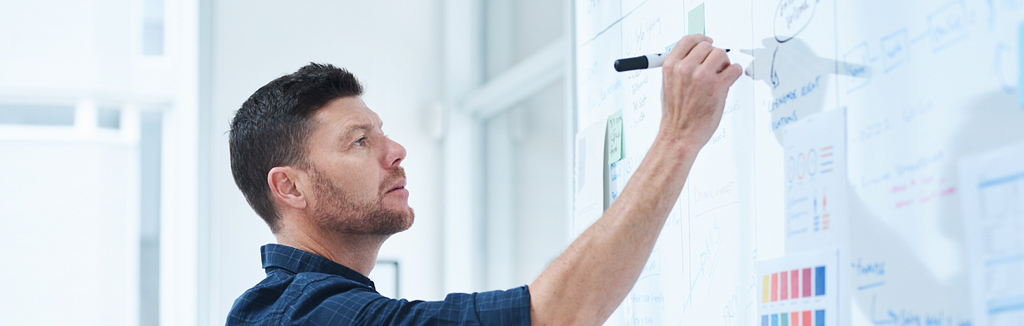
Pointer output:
349, 113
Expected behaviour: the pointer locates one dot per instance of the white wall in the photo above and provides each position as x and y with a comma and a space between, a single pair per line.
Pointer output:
529, 138
67, 48
393, 47
66, 210
70, 204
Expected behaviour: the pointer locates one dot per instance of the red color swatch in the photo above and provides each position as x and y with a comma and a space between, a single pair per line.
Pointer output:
807, 283
775, 287
783, 287
795, 282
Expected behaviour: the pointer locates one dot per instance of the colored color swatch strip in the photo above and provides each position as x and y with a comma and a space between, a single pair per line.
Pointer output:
775, 287
783, 286
819, 281
796, 318
793, 284
795, 281
764, 285
807, 282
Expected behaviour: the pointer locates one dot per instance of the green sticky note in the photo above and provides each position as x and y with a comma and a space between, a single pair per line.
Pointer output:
615, 137
670, 47
696, 18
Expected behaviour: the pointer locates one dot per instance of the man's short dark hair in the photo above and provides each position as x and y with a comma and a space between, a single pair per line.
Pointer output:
271, 128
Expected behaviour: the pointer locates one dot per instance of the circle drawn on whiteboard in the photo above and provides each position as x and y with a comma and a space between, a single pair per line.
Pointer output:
791, 17
789, 169
801, 166
812, 162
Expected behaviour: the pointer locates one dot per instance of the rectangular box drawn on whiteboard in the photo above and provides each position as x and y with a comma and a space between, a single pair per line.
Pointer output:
855, 68
895, 49
947, 25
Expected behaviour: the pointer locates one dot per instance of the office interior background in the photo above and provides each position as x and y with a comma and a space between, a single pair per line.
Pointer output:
118, 206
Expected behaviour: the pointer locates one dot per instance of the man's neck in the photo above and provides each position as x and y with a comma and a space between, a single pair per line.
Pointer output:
355, 251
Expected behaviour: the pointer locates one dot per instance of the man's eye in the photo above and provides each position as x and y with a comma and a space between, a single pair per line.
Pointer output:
360, 142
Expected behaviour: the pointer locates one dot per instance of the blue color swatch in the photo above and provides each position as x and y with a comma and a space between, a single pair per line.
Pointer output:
819, 318
819, 280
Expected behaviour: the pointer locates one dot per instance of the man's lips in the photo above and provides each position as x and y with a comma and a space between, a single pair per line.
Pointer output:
397, 186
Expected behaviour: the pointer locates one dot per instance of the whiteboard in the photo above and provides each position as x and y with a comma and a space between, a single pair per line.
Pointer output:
840, 148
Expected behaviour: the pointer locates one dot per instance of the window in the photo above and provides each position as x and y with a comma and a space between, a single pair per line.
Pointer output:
153, 27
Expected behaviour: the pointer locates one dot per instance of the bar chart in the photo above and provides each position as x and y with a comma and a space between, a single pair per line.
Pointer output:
793, 284
799, 289
795, 318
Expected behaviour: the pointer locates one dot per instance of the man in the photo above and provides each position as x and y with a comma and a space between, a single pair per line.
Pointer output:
312, 161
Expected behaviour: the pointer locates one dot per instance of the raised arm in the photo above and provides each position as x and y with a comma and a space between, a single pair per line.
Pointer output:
587, 281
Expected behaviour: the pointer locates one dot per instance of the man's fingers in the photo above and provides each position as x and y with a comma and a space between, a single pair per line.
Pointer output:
699, 54
685, 45
717, 60
732, 73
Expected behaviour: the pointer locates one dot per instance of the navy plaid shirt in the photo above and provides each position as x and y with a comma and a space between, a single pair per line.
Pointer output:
305, 289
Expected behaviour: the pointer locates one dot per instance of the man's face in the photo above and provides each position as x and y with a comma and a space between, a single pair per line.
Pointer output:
358, 186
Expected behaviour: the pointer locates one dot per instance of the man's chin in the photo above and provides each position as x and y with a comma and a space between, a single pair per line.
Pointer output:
398, 220
407, 219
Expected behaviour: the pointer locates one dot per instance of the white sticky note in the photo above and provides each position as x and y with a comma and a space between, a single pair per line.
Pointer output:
615, 140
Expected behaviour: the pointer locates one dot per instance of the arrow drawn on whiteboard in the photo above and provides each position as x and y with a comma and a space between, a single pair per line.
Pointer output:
880, 322
774, 75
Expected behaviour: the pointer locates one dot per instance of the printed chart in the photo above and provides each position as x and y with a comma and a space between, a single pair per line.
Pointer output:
799, 289
815, 181
993, 203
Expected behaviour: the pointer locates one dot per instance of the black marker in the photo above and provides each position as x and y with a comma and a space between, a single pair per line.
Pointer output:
642, 62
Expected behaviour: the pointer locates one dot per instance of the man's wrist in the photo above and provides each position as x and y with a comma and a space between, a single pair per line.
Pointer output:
685, 148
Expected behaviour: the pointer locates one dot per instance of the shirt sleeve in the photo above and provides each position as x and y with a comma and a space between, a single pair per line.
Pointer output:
365, 307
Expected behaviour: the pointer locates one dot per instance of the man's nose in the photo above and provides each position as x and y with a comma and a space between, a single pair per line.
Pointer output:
395, 153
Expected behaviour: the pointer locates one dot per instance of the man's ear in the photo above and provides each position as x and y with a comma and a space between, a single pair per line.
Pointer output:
284, 187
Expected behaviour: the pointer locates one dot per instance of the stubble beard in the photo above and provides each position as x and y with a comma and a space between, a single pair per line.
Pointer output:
336, 213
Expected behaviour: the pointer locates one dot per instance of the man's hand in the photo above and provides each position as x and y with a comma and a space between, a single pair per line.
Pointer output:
587, 281
695, 79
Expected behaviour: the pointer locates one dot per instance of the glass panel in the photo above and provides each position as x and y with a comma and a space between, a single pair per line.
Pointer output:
149, 217
47, 115
153, 27
109, 118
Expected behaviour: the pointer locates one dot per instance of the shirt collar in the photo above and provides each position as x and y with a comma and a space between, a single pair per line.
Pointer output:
298, 261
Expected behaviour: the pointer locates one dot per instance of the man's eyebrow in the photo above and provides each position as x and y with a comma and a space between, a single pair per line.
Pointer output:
357, 127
